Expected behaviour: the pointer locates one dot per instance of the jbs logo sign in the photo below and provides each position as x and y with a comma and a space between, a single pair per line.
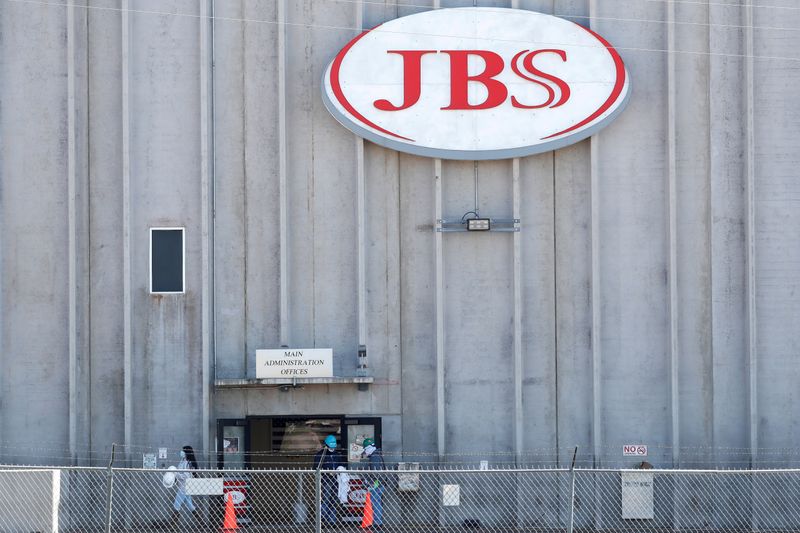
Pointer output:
476, 83
497, 92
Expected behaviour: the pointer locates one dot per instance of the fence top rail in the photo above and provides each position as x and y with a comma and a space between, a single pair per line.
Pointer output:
422, 470
227, 471
49, 468
668, 471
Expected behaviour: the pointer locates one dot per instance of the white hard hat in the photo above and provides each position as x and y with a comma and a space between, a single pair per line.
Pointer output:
169, 478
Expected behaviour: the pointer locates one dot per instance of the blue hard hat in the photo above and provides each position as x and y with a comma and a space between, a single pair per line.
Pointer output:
330, 441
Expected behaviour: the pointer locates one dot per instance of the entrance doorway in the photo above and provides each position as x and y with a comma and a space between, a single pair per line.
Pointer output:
274, 442
285, 443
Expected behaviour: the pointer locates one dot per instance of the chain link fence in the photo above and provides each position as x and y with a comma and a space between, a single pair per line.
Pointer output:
408, 500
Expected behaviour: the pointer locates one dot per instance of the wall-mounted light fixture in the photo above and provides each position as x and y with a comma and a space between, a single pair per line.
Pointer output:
475, 222
479, 224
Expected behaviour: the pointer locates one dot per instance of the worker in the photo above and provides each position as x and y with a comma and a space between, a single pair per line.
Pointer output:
373, 457
328, 458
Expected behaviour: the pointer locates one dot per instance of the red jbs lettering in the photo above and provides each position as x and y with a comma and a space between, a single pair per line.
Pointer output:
522, 65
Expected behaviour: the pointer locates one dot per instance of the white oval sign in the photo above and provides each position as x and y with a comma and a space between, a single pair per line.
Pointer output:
476, 83
237, 496
358, 496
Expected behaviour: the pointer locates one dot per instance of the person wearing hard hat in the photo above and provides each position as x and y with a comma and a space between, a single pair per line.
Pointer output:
373, 457
328, 458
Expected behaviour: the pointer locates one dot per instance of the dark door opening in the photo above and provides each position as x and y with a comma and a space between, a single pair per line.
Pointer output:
286, 443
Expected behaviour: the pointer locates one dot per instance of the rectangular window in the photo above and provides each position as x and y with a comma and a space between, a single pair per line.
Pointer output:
167, 265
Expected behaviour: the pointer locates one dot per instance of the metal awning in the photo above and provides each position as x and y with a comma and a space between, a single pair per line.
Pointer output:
253, 383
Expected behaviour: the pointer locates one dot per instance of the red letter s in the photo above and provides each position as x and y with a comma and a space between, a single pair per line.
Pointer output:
527, 62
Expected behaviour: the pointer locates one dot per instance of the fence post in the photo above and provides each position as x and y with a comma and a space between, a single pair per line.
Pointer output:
318, 500
109, 489
572, 491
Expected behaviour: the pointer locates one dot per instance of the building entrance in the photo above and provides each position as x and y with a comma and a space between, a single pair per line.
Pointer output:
258, 442
285, 443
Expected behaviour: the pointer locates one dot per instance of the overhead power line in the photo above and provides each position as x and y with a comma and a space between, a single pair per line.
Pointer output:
357, 30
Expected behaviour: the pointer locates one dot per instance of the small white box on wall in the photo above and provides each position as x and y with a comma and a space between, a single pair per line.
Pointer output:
637, 495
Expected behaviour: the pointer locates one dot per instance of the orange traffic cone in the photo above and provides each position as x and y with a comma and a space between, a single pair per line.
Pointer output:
229, 523
366, 520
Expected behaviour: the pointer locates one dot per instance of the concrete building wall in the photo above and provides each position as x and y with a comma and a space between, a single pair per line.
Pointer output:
659, 259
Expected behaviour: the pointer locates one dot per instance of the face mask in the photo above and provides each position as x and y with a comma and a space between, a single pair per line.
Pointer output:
183, 454
331, 449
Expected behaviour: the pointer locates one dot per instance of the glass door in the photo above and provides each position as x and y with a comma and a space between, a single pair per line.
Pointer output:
358, 429
231, 443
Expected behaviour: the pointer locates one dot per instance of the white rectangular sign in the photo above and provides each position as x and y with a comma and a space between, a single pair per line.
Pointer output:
637, 495
634, 450
294, 363
211, 486
149, 460
451, 495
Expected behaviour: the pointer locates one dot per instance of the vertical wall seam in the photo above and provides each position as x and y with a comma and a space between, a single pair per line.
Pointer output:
517, 259
206, 79
361, 221
555, 313
710, 225
282, 177
752, 324
126, 224
672, 236
439, 283
518, 364
245, 227
594, 148
360, 217
361, 239
439, 260
3, 388
87, 250
72, 236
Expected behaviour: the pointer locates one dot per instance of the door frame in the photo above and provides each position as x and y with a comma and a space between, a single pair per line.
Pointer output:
344, 421
221, 424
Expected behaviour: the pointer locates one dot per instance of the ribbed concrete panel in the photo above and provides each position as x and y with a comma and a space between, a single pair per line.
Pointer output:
726, 127
633, 239
165, 191
78, 226
261, 212
478, 291
537, 234
573, 296
333, 201
418, 318
383, 220
322, 191
230, 193
106, 250
693, 232
34, 210
777, 212
573, 271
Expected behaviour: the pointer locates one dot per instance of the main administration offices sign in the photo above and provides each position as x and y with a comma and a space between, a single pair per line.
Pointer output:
294, 363
476, 83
